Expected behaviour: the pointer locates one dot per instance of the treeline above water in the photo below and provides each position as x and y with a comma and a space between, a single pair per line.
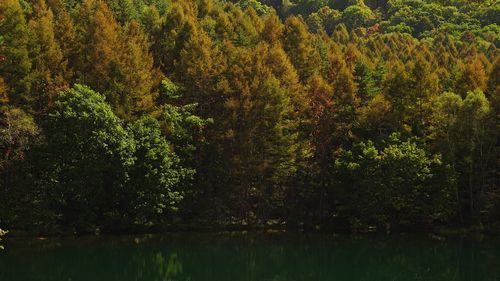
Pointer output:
150, 114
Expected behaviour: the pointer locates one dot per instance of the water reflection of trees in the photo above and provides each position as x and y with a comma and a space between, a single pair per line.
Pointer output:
308, 258
168, 269
254, 258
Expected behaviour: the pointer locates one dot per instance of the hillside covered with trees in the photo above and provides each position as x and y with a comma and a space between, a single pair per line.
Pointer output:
140, 115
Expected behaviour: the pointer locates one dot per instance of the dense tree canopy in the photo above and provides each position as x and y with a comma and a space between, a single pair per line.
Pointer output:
396, 183
88, 153
125, 115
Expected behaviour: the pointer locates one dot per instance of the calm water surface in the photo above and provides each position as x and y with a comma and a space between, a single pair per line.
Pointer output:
250, 257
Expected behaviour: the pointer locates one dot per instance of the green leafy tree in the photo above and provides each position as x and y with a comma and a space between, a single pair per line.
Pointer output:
16, 135
125, 10
477, 146
260, 8
182, 127
325, 19
19, 136
305, 7
444, 133
465, 131
358, 16
155, 177
186, 133
88, 155
398, 182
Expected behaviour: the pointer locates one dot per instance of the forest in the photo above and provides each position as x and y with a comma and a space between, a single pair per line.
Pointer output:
326, 115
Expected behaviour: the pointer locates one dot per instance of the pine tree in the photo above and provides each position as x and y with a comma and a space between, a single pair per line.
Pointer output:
57, 6
15, 65
140, 75
298, 43
424, 85
493, 89
104, 67
198, 68
257, 136
118, 63
472, 77
171, 36
282, 68
150, 20
272, 29
321, 96
123, 10
396, 87
71, 47
47, 58
365, 83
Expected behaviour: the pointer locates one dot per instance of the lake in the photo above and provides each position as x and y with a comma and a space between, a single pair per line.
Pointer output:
250, 257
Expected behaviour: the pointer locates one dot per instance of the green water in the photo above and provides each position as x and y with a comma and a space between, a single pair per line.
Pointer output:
246, 257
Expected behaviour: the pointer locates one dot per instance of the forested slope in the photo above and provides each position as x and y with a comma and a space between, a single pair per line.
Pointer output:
144, 114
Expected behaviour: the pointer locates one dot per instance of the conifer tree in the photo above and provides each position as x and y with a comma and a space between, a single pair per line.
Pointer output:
365, 83
123, 10
141, 77
47, 58
272, 29
81, 22
104, 67
57, 7
471, 78
15, 64
260, 145
71, 47
298, 43
171, 36
424, 85
119, 64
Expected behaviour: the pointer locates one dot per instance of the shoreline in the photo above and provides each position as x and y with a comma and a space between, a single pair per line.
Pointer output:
443, 231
